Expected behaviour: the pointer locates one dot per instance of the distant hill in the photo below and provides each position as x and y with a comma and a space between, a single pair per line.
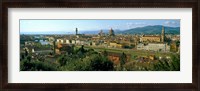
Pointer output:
97, 31
156, 29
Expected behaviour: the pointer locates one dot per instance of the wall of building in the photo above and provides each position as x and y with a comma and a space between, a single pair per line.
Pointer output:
154, 47
151, 39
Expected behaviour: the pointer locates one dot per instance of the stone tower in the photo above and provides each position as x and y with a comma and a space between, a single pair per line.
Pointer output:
76, 31
163, 35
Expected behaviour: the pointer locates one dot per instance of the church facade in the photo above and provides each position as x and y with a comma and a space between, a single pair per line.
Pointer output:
148, 38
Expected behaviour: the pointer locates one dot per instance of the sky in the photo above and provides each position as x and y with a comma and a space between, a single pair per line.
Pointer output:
38, 26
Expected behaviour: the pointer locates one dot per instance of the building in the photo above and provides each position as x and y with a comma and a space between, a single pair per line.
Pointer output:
111, 32
174, 47
116, 45
73, 41
176, 38
51, 38
77, 34
29, 43
141, 46
68, 41
163, 35
101, 33
152, 38
35, 50
60, 41
95, 43
161, 47
76, 31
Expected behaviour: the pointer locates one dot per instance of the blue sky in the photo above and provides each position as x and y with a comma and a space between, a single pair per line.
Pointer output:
28, 26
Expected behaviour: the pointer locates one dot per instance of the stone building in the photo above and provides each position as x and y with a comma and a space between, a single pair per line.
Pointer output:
161, 47
150, 39
153, 38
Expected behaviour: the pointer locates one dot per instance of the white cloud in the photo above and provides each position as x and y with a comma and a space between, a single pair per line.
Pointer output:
171, 23
140, 23
130, 25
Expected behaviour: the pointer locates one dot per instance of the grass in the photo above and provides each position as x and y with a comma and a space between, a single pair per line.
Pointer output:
132, 52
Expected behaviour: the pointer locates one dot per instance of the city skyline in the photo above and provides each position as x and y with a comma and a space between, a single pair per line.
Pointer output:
42, 26
105, 46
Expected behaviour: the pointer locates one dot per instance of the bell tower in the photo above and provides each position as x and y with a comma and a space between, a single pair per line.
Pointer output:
76, 31
163, 35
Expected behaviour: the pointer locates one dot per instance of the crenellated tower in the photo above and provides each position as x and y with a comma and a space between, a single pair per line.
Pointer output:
76, 31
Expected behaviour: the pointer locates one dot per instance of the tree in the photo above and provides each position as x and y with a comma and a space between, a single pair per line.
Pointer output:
105, 53
177, 43
36, 66
62, 60
82, 49
51, 53
123, 59
101, 63
167, 65
68, 49
90, 52
26, 52
23, 56
29, 58
176, 62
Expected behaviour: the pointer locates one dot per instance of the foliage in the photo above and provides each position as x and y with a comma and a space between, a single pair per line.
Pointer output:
105, 53
62, 60
123, 59
164, 64
81, 59
35, 65
168, 65
101, 63
85, 60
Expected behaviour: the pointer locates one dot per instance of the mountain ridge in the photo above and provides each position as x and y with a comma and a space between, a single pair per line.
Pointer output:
154, 29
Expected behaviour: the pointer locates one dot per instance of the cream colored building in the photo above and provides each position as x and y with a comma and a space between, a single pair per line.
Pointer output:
115, 45
60, 41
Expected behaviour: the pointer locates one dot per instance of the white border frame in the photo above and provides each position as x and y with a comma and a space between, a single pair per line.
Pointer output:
17, 76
